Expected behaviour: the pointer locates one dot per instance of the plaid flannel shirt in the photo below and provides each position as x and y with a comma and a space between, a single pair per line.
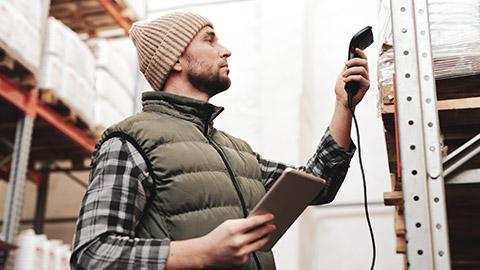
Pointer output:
118, 191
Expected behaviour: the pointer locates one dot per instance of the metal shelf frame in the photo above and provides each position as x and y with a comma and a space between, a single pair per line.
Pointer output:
421, 164
460, 156
114, 11
27, 102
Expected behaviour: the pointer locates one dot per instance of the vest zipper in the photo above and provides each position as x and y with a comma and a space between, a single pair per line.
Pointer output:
230, 172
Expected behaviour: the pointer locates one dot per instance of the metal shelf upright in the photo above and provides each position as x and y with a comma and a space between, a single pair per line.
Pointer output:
429, 118
419, 138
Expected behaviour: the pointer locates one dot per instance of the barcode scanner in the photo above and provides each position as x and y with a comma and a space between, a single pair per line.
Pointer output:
361, 40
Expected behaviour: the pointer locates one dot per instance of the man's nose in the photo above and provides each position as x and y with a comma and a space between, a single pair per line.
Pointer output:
224, 52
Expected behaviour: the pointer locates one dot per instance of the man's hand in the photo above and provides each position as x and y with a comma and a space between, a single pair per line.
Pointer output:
359, 73
230, 244
341, 123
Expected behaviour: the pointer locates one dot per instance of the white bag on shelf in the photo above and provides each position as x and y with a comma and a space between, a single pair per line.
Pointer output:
105, 113
111, 90
115, 63
84, 103
86, 63
7, 13
55, 37
32, 10
79, 57
69, 90
51, 73
25, 40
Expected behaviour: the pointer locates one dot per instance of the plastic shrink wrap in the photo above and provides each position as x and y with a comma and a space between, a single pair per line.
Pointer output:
455, 40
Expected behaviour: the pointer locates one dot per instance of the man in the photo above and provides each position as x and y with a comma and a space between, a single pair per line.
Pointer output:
168, 190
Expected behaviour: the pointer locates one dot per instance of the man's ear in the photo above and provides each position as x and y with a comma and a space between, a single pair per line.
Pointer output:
177, 67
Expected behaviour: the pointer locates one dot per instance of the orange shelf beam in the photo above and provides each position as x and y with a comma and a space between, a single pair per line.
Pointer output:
20, 98
116, 14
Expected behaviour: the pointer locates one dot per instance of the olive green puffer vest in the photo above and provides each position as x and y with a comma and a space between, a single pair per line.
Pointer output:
202, 176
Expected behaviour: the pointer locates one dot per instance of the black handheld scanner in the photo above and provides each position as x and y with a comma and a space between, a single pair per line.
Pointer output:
361, 40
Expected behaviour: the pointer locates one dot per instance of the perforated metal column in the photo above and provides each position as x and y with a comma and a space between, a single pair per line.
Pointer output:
16, 185
419, 139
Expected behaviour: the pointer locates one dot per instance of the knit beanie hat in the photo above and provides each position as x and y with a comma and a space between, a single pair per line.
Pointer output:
162, 40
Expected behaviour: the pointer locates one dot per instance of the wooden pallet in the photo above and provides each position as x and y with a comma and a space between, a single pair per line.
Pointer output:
88, 16
459, 115
61, 107
16, 68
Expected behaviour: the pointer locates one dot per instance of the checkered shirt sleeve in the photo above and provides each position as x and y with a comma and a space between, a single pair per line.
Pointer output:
111, 208
330, 162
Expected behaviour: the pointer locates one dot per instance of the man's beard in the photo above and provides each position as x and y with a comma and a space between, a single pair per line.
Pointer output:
205, 79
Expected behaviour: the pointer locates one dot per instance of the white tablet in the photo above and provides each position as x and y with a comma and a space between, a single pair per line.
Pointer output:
287, 199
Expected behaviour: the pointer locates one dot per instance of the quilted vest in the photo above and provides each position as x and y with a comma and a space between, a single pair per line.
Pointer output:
202, 176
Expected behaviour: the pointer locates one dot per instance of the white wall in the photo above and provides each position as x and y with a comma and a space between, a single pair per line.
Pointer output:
285, 58
341, 237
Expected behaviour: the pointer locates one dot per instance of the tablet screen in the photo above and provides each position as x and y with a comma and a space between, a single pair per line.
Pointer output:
287, 199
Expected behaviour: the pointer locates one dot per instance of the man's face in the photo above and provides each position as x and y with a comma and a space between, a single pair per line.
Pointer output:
205, 62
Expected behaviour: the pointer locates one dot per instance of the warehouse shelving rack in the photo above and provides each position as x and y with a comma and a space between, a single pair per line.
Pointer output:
34, 137
436, 217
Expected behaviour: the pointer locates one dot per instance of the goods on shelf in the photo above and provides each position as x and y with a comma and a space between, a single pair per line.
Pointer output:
105, 115
79, 93
455, 39
110, 94
68, 69
108, 58
115, 78
51, 76
37, 252
20, 33
31, 10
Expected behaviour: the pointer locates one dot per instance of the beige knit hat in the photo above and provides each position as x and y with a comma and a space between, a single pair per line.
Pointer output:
161, 41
